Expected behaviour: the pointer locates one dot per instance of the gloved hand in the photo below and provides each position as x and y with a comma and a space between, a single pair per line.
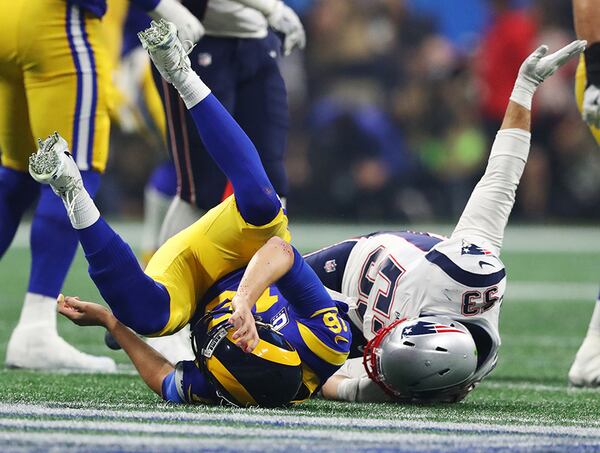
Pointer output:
188, 26
538, 67
284, 20
591, 106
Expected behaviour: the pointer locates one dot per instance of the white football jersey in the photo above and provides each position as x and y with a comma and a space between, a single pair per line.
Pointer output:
229, 18
406, 274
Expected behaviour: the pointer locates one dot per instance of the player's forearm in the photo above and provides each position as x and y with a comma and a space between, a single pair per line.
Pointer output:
271, 262
354, 390
587, 19
516, 117
151, 365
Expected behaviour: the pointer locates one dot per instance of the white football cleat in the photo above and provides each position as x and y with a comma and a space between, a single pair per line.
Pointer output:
38, 348
53, 164
585, 371
166, 51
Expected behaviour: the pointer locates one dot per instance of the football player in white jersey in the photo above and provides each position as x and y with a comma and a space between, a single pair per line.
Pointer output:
428, 306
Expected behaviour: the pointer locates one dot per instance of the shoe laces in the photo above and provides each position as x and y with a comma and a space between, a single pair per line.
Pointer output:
70, 198
182, 54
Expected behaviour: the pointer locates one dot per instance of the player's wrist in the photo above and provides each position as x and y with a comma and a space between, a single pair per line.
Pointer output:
276, 11
109, 321
523, 91
242, 303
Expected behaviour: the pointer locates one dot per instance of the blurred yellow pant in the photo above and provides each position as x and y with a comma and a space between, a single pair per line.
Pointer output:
54, 76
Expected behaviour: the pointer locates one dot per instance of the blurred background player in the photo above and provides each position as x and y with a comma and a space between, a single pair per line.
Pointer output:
66, 65
585, 370
138, 111
238, 59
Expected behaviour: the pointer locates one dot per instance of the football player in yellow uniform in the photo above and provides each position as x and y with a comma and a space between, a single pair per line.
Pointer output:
54, 75
233, 264
585, 370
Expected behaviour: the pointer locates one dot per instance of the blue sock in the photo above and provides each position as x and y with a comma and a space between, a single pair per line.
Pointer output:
18, 191
135, 299
237, 157
164, 179
53, 240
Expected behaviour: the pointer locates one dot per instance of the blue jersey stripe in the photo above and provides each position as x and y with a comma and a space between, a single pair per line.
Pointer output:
423, 241
462, 276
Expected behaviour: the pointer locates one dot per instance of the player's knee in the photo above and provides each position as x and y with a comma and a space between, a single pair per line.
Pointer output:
260, 210
144, 308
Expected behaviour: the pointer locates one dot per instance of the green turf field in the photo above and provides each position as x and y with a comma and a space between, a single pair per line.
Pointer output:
524, 405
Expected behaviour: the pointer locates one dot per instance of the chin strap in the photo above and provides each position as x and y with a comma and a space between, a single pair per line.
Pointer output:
371, 358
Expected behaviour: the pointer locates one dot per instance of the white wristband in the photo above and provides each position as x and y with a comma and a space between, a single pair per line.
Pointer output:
523, 92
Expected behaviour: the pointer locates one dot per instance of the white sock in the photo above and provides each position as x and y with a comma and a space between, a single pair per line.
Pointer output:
38, 311
192, 90
156, 206
180, 216
82, 211
594, 327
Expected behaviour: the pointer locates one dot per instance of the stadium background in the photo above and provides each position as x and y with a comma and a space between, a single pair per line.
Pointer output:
394, 105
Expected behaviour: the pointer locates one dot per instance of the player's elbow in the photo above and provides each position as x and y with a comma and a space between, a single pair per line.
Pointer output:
284, 251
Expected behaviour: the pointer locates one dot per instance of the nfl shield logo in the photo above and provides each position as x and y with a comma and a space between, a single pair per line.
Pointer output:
330, 266
204, 59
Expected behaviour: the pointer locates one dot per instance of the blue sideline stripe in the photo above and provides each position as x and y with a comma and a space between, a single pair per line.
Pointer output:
462, 276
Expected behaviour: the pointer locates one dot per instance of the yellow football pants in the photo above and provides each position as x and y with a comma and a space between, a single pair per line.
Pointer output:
54, 76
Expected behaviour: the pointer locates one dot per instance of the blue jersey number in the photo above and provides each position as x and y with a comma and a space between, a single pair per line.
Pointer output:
390, 271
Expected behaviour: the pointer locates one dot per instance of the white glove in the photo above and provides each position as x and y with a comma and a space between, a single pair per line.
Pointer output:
188, 26
284, 20
537, 68
591, 106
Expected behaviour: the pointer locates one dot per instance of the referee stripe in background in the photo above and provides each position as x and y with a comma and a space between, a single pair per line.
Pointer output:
87, 89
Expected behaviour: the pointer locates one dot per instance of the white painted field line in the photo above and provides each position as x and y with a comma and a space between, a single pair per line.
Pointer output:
403, 442
145, 444
337, 436
543, 291
286, 421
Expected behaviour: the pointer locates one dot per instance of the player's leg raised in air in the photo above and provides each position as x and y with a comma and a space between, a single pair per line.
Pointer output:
162, 300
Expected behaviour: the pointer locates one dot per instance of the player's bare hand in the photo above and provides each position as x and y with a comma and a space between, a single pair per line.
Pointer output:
82, 313
591, 106
245, 335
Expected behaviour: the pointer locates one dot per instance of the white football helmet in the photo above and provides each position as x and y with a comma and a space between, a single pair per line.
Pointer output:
425, 358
